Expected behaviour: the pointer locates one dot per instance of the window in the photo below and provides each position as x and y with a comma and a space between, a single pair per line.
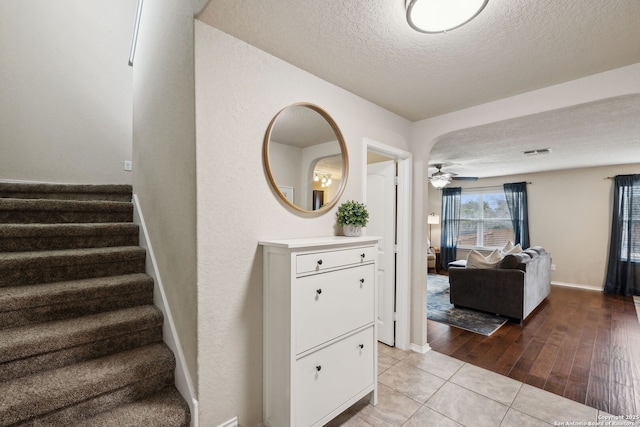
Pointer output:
485, 221
630, 221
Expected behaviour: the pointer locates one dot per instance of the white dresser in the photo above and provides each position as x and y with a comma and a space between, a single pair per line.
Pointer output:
320, 348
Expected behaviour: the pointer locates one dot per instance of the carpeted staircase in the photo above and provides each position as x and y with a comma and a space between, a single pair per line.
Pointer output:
80, 339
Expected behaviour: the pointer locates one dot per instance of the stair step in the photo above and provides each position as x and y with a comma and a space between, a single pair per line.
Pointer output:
38, 237
24, 305
71, 415
80, 353
166, 408
27, 190
44, 211
102, 380
28, 268
30, 340
80, 341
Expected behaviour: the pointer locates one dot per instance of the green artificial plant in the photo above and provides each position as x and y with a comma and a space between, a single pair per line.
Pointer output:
352, 213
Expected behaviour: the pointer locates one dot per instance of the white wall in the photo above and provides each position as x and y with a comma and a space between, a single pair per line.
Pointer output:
238, 90
164, 165
569, 215
65, 90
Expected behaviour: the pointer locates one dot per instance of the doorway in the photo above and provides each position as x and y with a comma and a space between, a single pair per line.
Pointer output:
387, 193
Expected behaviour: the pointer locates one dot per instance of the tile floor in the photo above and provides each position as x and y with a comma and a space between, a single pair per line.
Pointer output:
432, 389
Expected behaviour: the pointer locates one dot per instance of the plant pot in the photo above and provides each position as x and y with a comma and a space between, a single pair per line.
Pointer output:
351, 230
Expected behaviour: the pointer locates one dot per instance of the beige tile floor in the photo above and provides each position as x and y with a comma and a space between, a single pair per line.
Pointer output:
418, 390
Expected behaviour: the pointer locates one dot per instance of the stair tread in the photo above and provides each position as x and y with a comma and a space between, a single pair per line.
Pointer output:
70, 229
7, 203
62, 256
20, 297
46, 391
165, 408
25, 341
45, 187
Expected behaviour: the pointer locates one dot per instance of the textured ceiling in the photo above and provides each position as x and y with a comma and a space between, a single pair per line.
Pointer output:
605, 132
367, 47
512, 47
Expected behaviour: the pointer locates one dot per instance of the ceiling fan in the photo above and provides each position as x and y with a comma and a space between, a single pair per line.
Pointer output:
441, 179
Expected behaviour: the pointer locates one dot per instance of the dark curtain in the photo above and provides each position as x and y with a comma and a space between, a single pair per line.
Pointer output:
516, 194
450, 225
623, 269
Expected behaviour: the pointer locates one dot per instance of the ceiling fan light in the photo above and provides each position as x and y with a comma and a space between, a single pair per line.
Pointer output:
440, 181
438, 16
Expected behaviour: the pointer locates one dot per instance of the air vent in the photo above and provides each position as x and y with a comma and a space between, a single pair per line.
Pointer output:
537, 152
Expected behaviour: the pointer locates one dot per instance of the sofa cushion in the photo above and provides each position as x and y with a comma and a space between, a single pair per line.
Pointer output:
460, 263
539, 249
476, 260
513, 261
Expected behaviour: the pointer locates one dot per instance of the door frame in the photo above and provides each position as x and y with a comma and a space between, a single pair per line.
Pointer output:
403, 222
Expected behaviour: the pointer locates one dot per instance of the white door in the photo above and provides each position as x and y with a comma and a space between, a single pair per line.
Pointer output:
381, 203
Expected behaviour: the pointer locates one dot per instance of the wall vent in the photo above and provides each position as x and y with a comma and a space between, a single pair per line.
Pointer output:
537, 152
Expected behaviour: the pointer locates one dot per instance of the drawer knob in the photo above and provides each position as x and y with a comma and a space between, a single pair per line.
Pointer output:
362, 280
361, 346
362, 255
319, 262
318, 368
318, 291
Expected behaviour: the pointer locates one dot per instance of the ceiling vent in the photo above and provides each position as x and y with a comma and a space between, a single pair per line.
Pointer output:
537, 152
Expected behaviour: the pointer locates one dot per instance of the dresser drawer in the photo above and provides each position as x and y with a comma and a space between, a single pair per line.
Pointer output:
331, 304
322, 261
327, 378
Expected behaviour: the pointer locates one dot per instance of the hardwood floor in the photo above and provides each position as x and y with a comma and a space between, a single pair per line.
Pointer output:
580, 344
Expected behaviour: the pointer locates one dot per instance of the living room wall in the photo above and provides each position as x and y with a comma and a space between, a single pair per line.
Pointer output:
238, 91
569, 215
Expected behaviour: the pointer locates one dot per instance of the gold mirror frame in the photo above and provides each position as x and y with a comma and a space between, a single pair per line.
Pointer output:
343, 152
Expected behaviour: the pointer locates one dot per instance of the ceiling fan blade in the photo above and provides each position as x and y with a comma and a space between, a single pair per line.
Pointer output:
465, 178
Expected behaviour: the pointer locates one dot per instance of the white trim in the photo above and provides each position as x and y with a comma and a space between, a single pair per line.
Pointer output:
403, 271
233, 422
134, 36
575, 285
184, 384
420, 349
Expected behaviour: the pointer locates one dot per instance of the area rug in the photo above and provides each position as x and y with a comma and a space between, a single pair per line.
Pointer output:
439, 309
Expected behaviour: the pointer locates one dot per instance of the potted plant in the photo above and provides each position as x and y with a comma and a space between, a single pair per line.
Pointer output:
352, 216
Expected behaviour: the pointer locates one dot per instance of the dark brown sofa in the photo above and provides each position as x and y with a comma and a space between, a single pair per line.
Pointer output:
514, 289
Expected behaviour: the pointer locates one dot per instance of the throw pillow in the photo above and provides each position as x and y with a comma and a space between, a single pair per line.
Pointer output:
476, 260
510, 249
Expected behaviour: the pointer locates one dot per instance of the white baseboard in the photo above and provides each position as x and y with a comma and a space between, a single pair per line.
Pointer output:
184, 384
420, 349
233, 422
575, 285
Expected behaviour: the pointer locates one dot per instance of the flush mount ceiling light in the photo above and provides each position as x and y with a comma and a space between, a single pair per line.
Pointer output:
439, 16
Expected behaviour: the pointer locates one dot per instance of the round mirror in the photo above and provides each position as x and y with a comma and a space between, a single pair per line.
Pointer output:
305, 157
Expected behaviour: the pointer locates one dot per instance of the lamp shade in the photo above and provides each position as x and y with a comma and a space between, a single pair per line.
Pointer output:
433, 219
438, 16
